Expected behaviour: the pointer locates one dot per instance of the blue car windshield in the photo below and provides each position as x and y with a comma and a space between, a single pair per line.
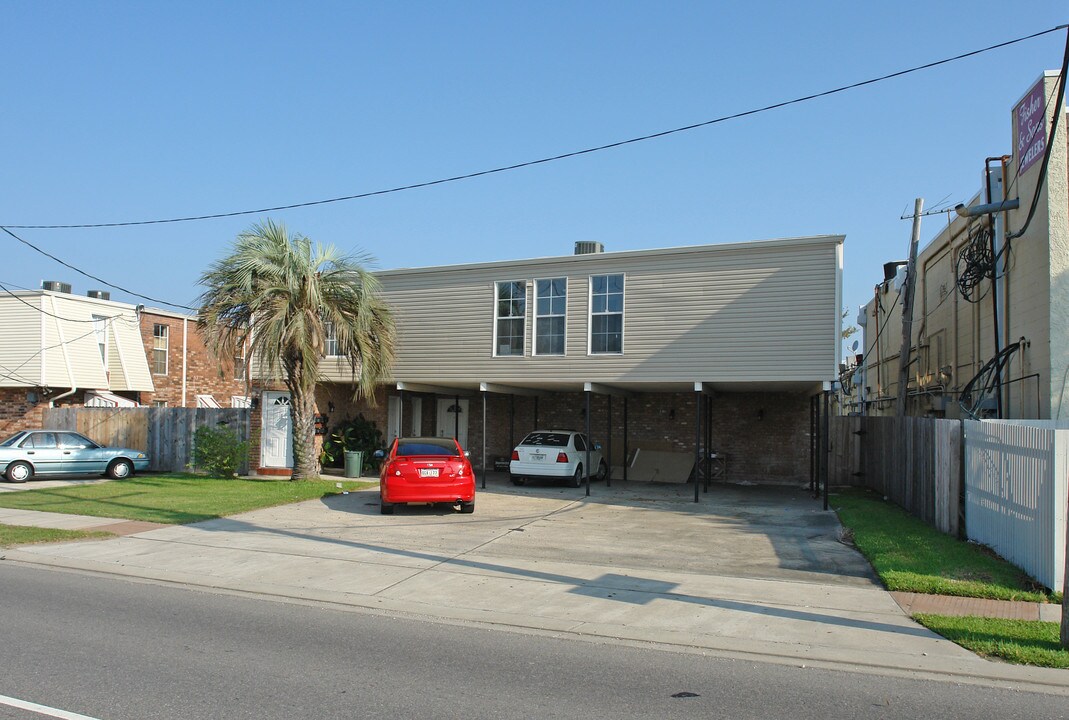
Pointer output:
11, 440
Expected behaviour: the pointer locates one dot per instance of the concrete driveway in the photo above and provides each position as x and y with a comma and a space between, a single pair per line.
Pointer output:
749, 571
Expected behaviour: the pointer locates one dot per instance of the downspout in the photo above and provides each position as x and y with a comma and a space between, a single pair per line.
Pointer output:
185, 337
52, 402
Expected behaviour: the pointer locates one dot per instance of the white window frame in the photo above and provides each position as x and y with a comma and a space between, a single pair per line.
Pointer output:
240, 371
330, 340
166, 338
100, 331
591, 314
537, 317
523, 349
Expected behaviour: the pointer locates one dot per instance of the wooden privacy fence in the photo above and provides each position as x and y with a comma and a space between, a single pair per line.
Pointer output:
914, 462
164, 434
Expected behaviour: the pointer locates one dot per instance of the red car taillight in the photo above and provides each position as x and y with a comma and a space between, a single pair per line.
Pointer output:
516, 455
562, 457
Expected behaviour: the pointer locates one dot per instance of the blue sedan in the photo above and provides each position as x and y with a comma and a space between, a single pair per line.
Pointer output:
62, 452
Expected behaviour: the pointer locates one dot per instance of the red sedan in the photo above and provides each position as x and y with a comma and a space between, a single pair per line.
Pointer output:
426, 470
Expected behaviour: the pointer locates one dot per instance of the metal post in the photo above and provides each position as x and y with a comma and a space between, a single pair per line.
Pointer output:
608, 446
625, 439
707, 459
483, 393
456, 417
536, 414
826, 446
697, 441
512, 422
586, 467
812, 443
401, 416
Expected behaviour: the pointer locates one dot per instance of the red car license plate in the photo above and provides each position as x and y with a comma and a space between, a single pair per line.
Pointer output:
428, 472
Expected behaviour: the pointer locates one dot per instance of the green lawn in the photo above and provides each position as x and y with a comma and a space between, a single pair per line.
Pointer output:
910, 556
1025, 642
18, 535
173, 499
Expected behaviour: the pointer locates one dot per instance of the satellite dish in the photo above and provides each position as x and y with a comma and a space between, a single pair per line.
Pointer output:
854, 346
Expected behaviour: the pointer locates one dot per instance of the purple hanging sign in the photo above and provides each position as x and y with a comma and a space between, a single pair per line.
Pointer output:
1031, 128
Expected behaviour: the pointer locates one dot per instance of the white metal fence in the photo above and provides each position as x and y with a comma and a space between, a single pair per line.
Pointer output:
1016, 492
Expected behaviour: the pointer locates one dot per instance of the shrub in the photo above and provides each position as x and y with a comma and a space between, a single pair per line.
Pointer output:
218, 451
358, 433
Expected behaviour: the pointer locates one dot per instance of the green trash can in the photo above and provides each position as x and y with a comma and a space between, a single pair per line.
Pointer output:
354, 463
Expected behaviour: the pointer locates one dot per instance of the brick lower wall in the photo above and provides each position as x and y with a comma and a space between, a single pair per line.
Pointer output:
17, 412
764, 436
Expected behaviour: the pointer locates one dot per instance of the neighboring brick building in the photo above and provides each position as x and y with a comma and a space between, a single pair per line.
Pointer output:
184, 371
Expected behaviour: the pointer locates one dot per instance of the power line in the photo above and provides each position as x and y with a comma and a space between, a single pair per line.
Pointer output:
554, 158
13, 373
94, 277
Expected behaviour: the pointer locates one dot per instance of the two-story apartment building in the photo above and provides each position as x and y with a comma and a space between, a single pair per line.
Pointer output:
720, 346
989, 335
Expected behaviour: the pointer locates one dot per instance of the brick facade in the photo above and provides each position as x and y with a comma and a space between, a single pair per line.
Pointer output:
18, 412
205, 374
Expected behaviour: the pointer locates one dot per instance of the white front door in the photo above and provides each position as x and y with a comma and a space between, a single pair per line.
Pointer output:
453, 420
276, 445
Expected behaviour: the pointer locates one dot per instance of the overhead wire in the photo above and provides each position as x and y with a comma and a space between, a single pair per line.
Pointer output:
94, 277
541, 161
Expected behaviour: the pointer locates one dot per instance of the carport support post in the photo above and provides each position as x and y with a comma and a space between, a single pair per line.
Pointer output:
697, 437
586, 465
608, 446
512, 422
812, 443
707, 455
456, 418
536, 413
825, 448
483, 393
626, 450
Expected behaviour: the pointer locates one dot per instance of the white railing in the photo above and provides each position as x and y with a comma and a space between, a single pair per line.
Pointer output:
1016, 480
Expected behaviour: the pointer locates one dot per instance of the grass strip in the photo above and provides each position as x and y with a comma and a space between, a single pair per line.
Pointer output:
911, 556
174, 499
11, 535
1024, 642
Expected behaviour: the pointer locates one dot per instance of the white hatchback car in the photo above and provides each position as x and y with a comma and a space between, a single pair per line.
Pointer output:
556, 455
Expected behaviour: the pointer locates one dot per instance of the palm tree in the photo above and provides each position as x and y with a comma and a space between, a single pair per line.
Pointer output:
284, 295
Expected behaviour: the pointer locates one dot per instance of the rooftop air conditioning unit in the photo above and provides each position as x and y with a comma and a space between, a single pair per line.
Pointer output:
99, 294
588, 247
56, 286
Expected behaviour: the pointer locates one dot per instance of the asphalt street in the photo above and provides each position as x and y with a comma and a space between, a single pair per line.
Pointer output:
118, 649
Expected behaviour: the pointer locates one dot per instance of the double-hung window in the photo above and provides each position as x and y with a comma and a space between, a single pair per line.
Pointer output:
510, 313
551, 306
239, 362
331, 340
606, 314
160, 342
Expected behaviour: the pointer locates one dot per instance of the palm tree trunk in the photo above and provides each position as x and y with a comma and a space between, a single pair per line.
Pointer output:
305, 463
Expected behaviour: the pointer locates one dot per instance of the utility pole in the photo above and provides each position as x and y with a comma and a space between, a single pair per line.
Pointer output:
907, 309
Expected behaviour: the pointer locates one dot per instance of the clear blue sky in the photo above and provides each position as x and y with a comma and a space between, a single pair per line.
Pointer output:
118, 111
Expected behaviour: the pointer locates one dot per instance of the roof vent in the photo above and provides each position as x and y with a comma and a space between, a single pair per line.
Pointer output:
99, 294
56, 286
588, 247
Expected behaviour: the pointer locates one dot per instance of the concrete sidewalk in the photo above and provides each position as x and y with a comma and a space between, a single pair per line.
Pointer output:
755, 581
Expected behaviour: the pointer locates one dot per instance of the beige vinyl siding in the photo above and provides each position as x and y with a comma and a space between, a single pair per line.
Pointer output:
48, 340
744, 312
20, 342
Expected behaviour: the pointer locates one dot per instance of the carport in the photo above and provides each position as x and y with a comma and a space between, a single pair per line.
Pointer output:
708, 463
